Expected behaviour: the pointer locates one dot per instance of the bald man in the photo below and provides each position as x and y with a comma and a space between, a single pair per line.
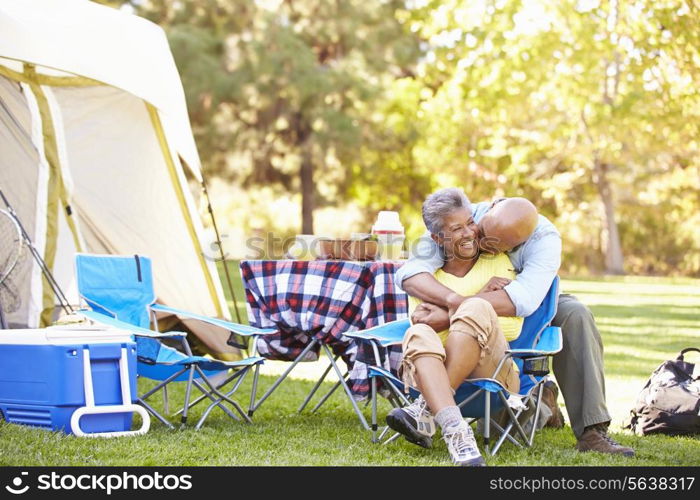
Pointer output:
533, 244
509, 223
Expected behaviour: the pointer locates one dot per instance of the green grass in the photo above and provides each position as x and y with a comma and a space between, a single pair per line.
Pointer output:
644, 321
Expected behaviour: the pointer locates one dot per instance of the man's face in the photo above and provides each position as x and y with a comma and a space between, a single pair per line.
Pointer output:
494, 237
488, 241
459, 234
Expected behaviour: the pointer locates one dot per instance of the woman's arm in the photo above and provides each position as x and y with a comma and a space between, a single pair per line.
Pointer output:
428, 289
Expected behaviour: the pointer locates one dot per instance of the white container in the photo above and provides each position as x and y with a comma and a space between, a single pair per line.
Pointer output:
390, 235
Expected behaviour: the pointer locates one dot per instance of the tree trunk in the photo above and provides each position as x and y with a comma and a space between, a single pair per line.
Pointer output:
614, 261
307, 190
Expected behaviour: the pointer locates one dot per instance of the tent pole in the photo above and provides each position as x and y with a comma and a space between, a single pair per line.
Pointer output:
221, 250
63, 301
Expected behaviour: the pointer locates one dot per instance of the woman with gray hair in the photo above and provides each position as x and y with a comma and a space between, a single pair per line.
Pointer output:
437, 357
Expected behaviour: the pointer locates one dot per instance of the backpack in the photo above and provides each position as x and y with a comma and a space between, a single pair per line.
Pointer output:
670, 401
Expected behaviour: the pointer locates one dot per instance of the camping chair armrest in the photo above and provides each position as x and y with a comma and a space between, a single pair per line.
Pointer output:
161, 335
135, 330
239, 329
385, 334
550, 343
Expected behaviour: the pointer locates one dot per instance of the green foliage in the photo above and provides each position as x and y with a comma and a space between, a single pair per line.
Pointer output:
588, 108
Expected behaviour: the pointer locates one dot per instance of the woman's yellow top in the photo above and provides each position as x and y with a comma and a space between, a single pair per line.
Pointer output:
484, 269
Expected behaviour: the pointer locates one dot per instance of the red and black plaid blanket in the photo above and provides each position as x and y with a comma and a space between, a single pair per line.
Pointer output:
321, 299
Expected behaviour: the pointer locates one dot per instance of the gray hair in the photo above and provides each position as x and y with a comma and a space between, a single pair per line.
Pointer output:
441, 203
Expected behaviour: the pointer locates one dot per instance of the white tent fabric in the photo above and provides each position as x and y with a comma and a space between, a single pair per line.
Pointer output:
104, 44
93, 123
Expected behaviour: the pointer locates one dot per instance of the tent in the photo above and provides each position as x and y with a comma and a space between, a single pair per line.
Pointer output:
94, 143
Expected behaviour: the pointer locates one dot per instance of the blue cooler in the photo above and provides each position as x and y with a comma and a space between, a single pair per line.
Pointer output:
77, 379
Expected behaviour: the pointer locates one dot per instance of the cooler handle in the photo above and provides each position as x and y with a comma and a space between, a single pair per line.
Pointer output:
94, 410
91, 409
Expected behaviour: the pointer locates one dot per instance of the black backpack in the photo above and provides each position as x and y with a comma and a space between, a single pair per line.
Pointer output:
670, 401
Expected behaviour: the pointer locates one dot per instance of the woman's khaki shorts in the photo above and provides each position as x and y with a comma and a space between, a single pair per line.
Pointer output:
474, 317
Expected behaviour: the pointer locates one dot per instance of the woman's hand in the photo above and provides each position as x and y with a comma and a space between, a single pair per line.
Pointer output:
429, 314
495, 284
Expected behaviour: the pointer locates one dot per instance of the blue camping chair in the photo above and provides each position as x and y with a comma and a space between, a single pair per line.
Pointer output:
119, 291
481, 398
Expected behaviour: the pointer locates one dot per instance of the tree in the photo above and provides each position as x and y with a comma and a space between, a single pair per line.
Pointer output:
567, 95
280, 91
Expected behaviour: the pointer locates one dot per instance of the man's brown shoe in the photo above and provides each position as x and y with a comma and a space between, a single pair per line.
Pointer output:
595, 438
550, 392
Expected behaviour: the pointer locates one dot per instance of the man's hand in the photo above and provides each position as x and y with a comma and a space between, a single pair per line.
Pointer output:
431, 315
495, 284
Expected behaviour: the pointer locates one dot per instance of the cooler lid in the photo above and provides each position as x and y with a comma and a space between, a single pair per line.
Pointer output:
66, 335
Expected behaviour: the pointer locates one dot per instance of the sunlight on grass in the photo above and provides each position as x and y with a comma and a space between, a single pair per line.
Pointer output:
643, 321
638, 334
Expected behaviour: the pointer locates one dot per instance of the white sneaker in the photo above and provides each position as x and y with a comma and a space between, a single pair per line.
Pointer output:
462, 445
414, 421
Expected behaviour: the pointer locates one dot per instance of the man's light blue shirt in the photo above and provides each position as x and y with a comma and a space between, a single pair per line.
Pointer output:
536, 262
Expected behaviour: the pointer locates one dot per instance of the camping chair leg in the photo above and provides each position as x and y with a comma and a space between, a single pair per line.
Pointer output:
216, 402
206, 413
328, 395
163, 383
400, 397
256, 376
374, 409
505, 434
487, 421
188, 391
166, 407
284, 375
153, 412
536, 417
219, 402
313, 391
254, 390
347, 389
222, 396
395, 402
392, 438
223, 384
513, 418
384, 432
142, 399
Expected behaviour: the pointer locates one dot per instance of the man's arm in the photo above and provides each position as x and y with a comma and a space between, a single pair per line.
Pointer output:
416, 278
425, 258
541, 259
425, 287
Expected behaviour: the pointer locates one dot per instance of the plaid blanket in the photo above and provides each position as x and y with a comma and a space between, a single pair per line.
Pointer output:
322, 300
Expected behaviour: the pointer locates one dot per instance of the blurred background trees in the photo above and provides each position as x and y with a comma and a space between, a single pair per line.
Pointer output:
312, 115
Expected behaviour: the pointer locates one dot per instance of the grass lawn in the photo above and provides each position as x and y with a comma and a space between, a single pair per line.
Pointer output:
644, 321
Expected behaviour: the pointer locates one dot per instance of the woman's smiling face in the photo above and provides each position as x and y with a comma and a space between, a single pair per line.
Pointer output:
459, 234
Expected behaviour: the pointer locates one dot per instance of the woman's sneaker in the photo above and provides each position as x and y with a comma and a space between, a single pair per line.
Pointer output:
462, 445
414, 421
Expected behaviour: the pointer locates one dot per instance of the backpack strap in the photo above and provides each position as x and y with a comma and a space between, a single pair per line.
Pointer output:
687, 349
